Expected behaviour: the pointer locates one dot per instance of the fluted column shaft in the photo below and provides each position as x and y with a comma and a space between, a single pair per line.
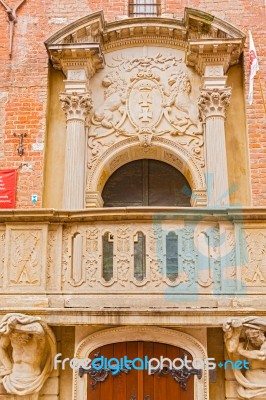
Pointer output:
213, 105
76, 107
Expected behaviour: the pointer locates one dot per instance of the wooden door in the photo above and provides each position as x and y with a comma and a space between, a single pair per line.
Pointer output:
146, 183
139, 385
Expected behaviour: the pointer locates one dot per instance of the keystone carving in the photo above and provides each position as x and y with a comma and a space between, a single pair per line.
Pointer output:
245, 338
76, 106
27, 350
214, 103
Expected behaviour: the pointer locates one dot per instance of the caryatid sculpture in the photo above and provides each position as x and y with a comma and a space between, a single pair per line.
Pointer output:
245, 339
27, 350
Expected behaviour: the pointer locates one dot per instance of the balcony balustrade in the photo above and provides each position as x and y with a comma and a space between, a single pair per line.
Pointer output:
133, 258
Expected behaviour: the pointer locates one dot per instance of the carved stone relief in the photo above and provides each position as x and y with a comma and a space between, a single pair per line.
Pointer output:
144, 98
245, 339
26, 257
214, 102
76, 106
53, 271
253, 257
28, 347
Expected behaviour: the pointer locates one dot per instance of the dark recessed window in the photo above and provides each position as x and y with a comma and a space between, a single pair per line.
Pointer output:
172, 256
139, 256
144, 8
108, 256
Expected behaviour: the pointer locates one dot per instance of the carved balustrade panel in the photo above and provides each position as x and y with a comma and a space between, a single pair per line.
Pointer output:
206, 257
252, 254
202, 249
25, 258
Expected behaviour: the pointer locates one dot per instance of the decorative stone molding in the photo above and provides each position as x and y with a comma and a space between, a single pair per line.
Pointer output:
33, 347
149, 334
211, 40
94, 200
76, 106
214, 103
245, 338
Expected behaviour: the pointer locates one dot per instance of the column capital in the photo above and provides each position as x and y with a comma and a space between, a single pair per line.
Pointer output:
214, 103
76, 105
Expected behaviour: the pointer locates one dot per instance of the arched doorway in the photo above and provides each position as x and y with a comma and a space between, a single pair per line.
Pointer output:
146, 183
138, 384
154, 334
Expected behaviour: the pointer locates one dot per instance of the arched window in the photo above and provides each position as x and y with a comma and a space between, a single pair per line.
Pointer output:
171, 256
139, 256
108, 256
146, 183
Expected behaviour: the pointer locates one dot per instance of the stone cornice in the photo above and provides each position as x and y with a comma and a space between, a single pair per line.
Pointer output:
252, 214
204, 38
177, 316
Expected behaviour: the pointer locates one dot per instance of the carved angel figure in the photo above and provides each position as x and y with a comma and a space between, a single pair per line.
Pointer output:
114, 100
182, 112
27, 351
245, 339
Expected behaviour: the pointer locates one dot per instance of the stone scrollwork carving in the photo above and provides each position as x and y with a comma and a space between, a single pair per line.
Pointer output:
75, 105
245, 338
213, 103
138, 101
27, 350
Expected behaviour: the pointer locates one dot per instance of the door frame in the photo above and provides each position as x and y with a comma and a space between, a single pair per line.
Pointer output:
141, 333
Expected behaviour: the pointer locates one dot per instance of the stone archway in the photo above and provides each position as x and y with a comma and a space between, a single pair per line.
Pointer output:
148, 333
128, 150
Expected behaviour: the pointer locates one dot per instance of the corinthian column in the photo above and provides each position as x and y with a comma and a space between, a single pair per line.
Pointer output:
213, 105
76, 107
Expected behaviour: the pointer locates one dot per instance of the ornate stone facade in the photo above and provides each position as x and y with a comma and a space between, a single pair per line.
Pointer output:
166, 89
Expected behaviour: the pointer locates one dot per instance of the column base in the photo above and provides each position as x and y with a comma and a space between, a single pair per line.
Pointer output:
94, 200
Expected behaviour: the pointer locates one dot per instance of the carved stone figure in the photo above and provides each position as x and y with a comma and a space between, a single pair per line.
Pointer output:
27, 350
183, 112
245, 338
114, 100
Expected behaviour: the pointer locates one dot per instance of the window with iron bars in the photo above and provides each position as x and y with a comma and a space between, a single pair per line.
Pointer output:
144, 8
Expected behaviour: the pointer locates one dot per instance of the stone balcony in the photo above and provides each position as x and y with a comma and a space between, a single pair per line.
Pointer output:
53, 262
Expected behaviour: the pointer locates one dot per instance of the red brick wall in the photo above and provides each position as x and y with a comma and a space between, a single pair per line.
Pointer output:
23, 79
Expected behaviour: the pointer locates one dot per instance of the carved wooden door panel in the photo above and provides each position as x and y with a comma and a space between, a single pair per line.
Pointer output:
139, 385
146, 183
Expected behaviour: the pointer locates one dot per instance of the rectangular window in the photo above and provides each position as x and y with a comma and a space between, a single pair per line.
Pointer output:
144, 8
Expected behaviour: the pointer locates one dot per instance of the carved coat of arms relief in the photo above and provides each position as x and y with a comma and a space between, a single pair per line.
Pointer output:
145, 98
